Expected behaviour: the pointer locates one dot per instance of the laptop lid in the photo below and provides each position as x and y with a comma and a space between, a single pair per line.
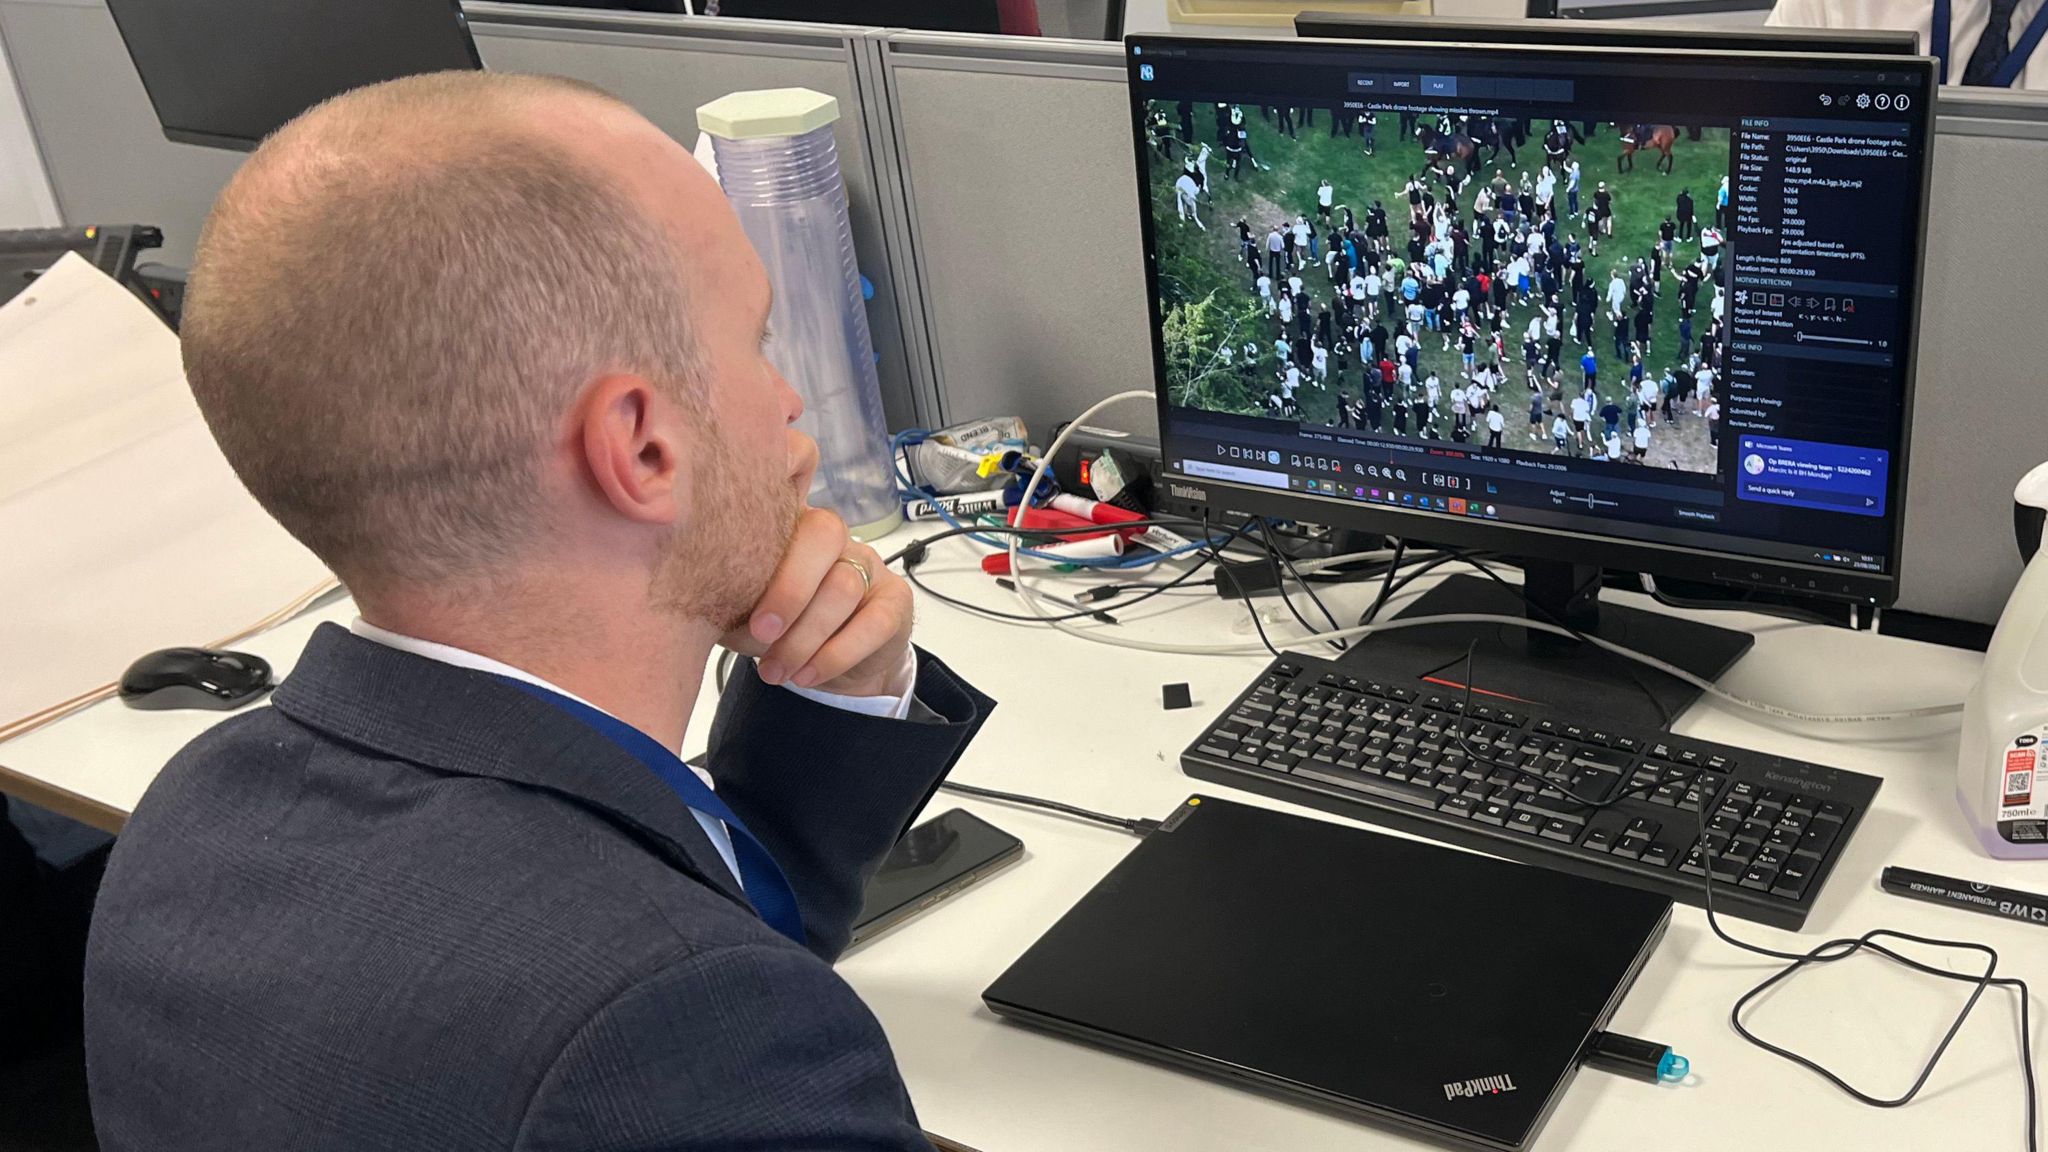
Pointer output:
1417, 986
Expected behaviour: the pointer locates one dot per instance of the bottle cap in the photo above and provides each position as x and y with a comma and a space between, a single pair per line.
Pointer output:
767, 112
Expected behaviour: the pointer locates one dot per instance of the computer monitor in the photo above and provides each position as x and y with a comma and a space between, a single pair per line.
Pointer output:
227, 73
1743, 421
1602, 34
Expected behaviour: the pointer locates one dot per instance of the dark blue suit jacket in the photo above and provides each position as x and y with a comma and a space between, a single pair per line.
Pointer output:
411, 907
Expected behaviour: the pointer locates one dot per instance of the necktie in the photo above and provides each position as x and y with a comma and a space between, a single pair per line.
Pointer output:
1995, 45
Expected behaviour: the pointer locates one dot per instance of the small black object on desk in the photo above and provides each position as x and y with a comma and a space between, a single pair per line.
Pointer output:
195, 678
2004, 903
1176, 696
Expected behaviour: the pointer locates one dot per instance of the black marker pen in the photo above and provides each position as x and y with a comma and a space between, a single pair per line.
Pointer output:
2004, 903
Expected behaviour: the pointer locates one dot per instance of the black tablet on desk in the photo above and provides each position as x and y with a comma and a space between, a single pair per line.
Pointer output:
1434, 990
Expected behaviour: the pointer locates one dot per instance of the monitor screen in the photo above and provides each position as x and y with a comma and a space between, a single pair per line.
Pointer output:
1645, 309
229, 72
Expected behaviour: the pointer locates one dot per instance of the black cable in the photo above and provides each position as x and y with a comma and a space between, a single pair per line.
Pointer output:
1273, 558
1386, 585
1136, 826
1411, 576
910, 574
1779, 611
922, 543
911, 562
1223, 570
1628, 667
1826, 953
1288, 561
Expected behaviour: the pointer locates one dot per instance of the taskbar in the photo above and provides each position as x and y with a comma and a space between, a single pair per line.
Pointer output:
1565, 504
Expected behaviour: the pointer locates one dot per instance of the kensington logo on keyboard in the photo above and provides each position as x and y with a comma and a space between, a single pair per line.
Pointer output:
1484, 1086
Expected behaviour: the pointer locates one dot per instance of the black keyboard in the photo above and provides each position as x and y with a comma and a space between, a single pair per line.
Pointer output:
1420, 758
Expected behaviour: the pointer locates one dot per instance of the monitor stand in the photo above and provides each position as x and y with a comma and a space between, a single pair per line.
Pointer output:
1557, 671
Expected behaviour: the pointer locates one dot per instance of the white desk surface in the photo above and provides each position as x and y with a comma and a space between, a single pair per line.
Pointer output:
1083, 723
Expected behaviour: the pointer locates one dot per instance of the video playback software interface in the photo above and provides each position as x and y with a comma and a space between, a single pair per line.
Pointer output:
1657, 297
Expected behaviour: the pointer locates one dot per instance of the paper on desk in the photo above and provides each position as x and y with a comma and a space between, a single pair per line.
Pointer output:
122, 526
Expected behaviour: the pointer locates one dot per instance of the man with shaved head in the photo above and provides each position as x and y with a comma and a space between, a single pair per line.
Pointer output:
492, 346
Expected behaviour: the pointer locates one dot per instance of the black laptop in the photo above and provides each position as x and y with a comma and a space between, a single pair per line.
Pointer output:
1436, 991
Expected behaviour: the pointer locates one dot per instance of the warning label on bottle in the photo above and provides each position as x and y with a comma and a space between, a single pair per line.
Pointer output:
2019, 777
2022, 812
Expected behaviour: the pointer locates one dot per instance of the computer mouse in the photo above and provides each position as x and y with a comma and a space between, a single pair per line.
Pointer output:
195, 678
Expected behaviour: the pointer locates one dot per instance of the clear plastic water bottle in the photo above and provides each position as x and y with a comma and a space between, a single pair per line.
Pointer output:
780, 169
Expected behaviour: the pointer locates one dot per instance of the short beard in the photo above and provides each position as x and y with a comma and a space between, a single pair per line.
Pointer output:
717, 570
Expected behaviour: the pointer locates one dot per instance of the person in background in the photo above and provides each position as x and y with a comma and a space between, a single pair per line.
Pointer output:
1971, 57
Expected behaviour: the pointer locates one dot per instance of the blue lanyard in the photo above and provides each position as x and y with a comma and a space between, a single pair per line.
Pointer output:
2022, 51
766, 888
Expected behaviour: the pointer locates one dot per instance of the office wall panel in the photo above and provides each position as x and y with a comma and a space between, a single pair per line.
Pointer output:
1022, 207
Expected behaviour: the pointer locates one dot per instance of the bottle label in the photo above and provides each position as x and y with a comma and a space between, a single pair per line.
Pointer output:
2022, 808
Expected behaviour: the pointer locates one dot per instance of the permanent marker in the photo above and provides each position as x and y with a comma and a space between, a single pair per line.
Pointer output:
2004, 903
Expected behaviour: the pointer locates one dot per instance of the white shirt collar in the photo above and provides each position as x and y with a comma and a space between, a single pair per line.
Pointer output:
460, 657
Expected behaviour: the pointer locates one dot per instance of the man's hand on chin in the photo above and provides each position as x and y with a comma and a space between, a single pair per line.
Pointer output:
820, 625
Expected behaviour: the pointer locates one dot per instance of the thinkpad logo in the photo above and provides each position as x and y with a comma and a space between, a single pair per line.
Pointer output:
1187, 492
1484, 1086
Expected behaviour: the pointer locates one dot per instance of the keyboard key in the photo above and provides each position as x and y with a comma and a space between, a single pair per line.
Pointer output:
1526, 822
1831, 810
1598, 839
1492, 812
1282, 762
1564, 831
1657, 855
1558, 807
1604, 739
1460, 806
1792, 880
1729, 869
1818, 837
1216, 749
1760, 879
1628, 744
1604, 758
1695, 862
1645, 827
1744, 849
1631, 845
1550, 728
1250, 756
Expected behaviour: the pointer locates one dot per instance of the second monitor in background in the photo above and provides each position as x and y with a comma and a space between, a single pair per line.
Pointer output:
1644, 310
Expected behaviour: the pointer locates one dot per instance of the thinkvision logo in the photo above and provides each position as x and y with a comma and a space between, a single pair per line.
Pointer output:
1187, 492
1484, 1086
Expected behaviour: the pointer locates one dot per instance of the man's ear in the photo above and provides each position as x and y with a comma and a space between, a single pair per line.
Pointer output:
632, 448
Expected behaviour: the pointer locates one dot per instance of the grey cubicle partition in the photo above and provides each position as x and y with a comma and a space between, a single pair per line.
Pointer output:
1024, 238
108, 160
1021, 221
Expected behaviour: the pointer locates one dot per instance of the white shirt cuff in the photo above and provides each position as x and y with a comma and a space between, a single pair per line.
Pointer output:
885, 707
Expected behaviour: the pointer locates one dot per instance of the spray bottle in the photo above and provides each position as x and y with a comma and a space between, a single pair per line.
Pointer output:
2005, 718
